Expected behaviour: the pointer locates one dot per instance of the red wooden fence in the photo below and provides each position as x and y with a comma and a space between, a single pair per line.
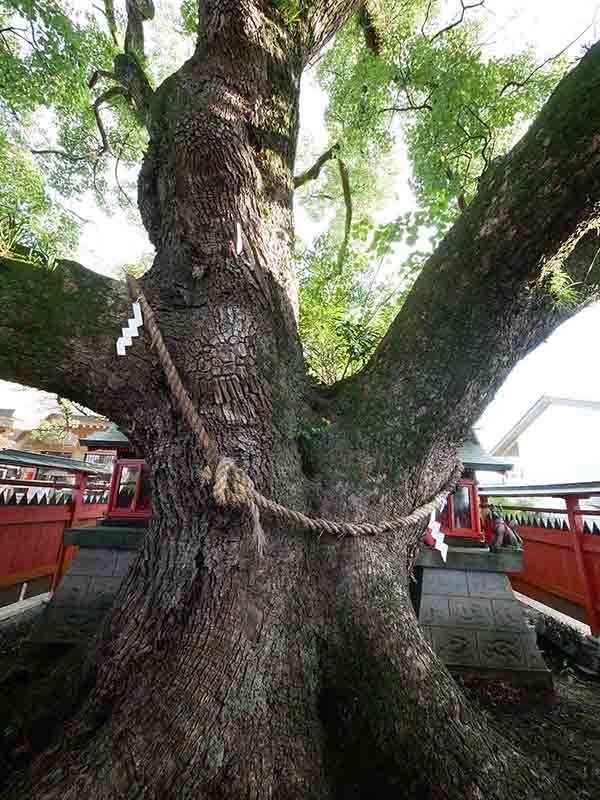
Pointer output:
561, 558
31, 543
550, 566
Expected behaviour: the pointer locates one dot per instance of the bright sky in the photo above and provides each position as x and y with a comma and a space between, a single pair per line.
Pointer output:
564, 365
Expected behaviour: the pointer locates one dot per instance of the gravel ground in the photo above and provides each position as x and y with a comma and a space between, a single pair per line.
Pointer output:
561, 734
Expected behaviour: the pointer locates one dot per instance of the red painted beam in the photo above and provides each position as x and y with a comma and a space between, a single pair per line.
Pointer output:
576, 527
30, 484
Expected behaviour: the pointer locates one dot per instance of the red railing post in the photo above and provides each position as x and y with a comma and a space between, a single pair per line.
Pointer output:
576, 527
78, 490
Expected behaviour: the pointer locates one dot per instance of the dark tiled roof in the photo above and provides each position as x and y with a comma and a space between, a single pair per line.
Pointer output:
473, 456
541, 489
7, 412
111, 438
22, 458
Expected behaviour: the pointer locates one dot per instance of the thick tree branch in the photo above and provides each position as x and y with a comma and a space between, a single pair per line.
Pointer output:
128, 71
348, 221
138, 12
324, 18
313, 172
457, 22
516, 264
371, 32
101, 73
58, 326
130, 74
109, 12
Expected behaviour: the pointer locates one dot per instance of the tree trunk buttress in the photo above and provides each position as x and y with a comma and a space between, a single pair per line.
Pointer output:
397, 726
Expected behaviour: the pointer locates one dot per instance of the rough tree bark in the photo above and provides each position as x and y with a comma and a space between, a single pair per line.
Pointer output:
302, 673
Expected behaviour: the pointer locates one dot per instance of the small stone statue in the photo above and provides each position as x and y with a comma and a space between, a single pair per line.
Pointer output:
502, 534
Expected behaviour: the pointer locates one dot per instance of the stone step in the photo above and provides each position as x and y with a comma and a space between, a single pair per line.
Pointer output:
88, 589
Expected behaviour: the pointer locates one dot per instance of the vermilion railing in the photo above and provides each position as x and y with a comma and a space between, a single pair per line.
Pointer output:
33, 516
561, 555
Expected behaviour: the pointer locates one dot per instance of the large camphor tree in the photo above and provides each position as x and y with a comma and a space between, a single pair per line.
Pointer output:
298, 672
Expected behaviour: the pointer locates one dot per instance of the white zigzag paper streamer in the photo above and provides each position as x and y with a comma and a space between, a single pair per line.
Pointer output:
438, 537
133, 326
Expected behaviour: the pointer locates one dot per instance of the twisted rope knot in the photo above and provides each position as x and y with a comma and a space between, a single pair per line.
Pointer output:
234, 487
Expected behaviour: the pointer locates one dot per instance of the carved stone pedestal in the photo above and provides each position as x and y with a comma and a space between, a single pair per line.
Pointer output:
472, 620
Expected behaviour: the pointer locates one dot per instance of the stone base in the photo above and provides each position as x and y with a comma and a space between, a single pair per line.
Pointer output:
87, 591
583, 650
473, 621
588, 655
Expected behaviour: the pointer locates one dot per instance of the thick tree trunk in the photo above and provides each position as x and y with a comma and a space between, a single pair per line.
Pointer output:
301, 673
206, 679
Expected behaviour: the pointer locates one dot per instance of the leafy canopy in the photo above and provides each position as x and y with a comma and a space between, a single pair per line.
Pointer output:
397, 75
61, 428
407, 90
50, 147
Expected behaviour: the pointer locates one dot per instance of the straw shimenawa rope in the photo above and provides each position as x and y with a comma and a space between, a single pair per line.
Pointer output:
234, 488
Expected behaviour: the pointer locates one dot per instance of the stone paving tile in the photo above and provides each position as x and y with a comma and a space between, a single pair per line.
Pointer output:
501, 649
71, 590
508, 614
93, 562
434, 610
488, 584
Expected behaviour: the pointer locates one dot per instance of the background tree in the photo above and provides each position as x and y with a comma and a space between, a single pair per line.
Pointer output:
60, 428
301, 672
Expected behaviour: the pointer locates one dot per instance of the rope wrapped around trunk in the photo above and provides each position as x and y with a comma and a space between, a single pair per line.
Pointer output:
233, 487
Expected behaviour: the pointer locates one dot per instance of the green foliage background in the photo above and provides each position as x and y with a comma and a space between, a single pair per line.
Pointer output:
403, 87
